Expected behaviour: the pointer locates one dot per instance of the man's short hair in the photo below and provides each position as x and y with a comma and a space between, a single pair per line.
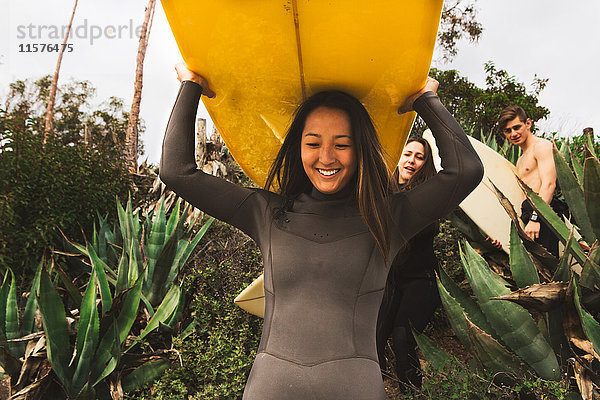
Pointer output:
508, 114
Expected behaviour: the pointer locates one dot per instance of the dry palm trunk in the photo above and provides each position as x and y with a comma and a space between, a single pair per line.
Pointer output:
131, 136
49, 125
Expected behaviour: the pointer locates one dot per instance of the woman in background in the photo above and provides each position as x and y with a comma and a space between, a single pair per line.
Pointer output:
411, 295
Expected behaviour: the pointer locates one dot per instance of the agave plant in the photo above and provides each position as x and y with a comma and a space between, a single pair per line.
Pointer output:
511, 153
91, 340
15, 331
547, 311
155, 249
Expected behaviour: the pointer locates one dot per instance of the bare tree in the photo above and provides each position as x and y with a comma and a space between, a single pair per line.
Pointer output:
131, 136
49, 125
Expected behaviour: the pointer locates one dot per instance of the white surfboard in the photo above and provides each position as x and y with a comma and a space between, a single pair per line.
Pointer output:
482, 205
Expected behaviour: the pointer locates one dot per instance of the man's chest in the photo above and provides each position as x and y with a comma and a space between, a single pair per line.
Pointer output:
527, 166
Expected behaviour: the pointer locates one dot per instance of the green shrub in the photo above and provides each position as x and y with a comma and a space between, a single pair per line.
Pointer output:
216, 358
458, 380
51, 188
447, 251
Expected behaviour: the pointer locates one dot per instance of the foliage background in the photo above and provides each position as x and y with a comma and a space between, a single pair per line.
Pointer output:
60, 186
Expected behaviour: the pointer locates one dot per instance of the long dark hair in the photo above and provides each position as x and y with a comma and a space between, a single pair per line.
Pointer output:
426, 171
372, 181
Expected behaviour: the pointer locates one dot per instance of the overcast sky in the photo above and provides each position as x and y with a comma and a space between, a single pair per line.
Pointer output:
526, 37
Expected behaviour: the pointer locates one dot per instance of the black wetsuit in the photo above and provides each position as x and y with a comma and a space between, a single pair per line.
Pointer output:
546, 238
410, 299
324, 275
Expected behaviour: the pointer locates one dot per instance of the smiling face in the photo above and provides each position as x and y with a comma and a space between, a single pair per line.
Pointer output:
327, 149
411, 161
517, 131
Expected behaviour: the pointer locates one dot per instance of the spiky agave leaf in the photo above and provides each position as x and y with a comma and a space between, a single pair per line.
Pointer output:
129, 227
577, 168
185, 247
563, 271
120, 322
122, 273
161, 270
435, 355
540, 297
70, 287
468, 305
88, 331
99, 267
54, 320
572, 325
144, 374
162, 313
455, 315
591, 187
173, 220
590, 276
589, 147
12, 318
103, 234
555, 223
590, 326
457, 304
107, 355
573, 193
31, 305
513, 324
491, 353
522, 267
4, 289
176, 315
133, 270
156, 238
534, 248
8, 361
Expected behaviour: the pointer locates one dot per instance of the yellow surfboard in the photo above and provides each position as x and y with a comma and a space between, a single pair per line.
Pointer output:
252, 299
263, 57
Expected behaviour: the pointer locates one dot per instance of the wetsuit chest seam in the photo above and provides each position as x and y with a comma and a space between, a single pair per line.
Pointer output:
316, 363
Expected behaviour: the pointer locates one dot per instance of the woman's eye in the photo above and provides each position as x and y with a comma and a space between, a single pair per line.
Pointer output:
342, 146
312, 144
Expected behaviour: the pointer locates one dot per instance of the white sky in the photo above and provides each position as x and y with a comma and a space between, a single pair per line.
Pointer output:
525, 37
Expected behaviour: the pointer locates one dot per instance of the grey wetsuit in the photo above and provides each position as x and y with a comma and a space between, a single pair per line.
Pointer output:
324, 275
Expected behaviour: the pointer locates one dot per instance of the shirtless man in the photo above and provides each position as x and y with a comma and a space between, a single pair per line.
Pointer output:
536, 168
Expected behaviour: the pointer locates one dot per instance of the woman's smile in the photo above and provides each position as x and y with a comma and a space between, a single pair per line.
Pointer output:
328, 172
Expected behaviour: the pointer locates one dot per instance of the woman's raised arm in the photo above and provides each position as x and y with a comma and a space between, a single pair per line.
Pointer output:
461, 172
224, 200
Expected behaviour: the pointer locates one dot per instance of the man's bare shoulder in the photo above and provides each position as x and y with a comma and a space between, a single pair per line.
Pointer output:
542, 147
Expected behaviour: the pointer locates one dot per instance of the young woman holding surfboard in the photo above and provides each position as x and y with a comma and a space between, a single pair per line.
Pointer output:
411, 296
328, 233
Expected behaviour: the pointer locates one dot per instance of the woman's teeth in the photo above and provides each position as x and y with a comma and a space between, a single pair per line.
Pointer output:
328, 172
